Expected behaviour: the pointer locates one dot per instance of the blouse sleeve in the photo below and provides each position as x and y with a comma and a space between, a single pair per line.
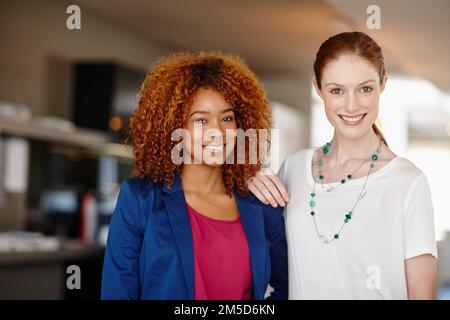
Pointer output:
418, 223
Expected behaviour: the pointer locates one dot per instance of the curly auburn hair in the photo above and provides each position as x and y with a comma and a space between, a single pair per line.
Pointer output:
165, 98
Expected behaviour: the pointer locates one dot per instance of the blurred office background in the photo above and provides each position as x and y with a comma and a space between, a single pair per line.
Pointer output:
65, 96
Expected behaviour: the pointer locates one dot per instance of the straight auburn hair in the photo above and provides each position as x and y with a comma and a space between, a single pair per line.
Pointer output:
357, 43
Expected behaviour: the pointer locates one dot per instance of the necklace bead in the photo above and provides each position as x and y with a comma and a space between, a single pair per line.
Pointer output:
348, 216
326, 148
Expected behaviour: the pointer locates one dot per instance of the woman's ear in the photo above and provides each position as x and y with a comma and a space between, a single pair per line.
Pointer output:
383, 84
316, 87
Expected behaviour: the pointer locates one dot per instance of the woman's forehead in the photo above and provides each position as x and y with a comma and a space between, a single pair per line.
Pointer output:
209, 100
349, 70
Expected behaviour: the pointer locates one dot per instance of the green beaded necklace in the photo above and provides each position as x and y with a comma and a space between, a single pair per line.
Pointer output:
348, 216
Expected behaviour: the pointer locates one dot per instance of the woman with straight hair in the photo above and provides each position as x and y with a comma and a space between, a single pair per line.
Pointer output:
359, 218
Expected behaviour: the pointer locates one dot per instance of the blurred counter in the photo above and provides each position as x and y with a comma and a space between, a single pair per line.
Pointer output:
43, 275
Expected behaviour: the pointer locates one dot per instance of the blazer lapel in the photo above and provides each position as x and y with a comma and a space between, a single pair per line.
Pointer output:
179, 220
253, 224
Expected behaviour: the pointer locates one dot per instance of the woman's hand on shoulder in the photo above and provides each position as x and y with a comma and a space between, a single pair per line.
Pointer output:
268, 188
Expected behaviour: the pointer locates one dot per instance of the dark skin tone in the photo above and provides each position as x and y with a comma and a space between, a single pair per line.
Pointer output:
202, 183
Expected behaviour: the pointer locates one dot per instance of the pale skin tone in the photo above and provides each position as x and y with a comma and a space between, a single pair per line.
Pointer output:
202, 183
350, 87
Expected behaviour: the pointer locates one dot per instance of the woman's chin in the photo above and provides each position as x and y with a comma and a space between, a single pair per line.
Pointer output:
353, 133
214, 165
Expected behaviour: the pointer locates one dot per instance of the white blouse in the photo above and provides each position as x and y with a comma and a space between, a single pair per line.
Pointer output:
393, 222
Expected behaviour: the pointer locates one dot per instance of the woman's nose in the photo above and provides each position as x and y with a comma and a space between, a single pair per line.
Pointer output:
214, 133
217, 126
352, 103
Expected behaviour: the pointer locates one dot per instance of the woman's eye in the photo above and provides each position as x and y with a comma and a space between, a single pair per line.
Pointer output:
228, 119
202, 121
366, 89
336, 91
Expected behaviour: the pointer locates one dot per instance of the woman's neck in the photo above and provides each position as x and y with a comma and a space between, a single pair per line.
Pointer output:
344, 150
202, 179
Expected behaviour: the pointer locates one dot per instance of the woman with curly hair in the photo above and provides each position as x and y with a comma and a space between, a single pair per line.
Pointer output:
190, 229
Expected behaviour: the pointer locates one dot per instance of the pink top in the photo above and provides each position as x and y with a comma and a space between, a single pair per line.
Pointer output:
221, 259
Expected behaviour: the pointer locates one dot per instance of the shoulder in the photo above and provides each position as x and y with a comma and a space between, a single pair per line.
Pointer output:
407, 171
410, 181
294, 162
411, 174
301, 155
139, 187
138, 194
251, 199
134, 202
272, 216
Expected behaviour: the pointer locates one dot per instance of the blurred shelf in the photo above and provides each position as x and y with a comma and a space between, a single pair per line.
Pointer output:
28, 129
91, 139
70, 250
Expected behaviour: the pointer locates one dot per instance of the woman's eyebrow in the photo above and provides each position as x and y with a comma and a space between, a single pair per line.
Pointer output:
198, 111
207, 112
337, 84
367, 81
333, 84
227, 110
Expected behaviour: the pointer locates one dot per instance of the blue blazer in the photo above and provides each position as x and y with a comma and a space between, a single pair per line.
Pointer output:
149, 252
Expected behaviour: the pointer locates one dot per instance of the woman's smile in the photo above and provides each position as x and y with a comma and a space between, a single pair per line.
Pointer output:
215, 148
352, 120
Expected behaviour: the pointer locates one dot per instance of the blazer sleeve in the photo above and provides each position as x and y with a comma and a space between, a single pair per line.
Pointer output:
120, 278
275, 231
